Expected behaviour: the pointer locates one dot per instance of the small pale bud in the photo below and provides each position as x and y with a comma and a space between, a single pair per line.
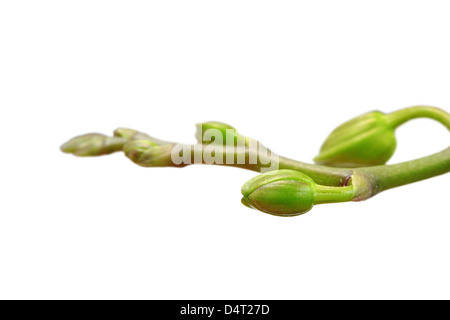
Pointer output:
229, 135
93, 144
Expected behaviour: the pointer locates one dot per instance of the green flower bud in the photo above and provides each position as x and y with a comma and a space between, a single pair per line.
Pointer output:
226, 131
369, 140
289, 193
93, 144
282, 192
364, 141
148, 154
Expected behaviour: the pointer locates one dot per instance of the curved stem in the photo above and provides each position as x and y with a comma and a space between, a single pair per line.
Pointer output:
385, 177
399, 117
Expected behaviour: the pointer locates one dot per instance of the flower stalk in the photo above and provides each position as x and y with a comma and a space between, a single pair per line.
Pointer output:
291, 187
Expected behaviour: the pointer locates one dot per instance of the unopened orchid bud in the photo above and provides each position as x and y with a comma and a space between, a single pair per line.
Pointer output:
364, 141
289, 193
218, 132
93, 144
369, 140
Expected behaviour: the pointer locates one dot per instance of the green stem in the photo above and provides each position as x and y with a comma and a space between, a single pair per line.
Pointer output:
320, 174
325, 194
399, 117
386, 177
366, 181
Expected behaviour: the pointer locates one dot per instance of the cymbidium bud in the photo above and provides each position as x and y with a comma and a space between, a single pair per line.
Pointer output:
363, 141
148, 154
93, 144
289, 193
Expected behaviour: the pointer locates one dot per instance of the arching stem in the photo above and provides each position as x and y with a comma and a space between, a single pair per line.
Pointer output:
399, 117
386, 177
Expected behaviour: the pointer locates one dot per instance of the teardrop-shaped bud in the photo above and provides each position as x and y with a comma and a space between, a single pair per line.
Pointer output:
363, 141
93, 144
281, 192
221, 133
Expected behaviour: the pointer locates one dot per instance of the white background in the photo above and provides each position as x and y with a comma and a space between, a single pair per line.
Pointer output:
283, 72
